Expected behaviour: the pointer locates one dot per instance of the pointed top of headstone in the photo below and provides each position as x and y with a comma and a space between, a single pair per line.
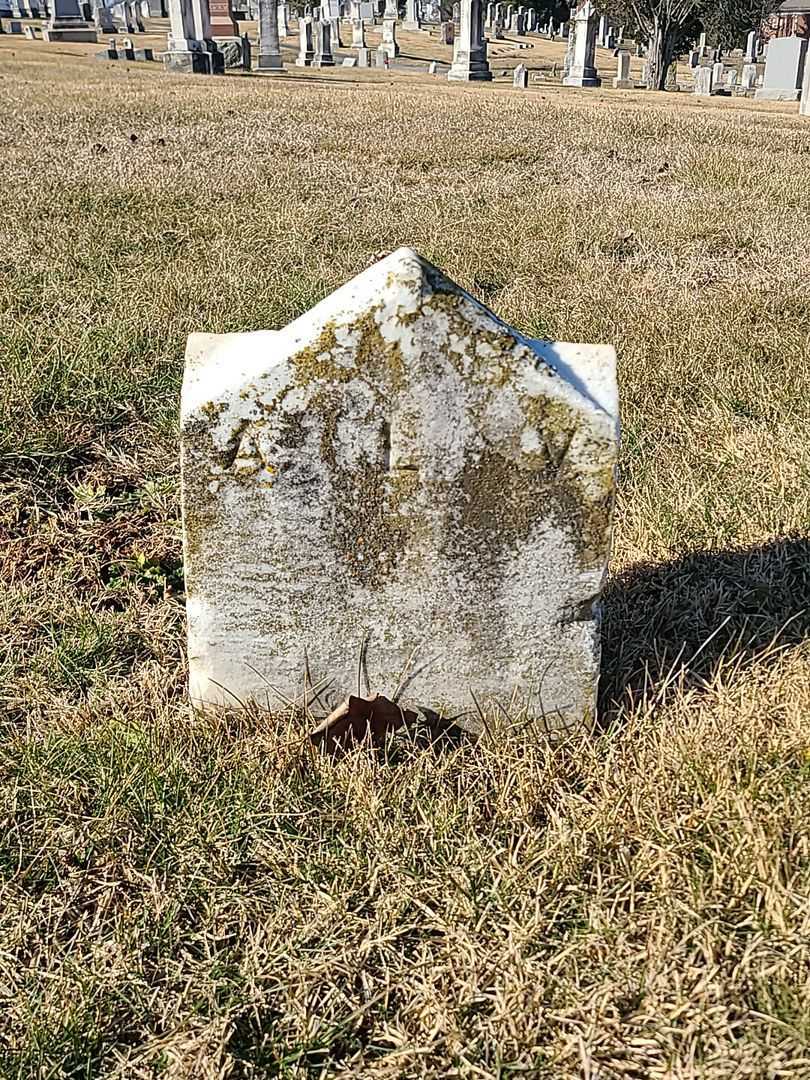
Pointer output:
406, 294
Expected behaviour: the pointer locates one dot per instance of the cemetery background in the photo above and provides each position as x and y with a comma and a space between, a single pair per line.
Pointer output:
190, 896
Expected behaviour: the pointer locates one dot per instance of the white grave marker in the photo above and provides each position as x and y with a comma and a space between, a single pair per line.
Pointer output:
398, 466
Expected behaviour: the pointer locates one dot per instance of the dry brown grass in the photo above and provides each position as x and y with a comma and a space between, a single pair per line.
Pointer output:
185, 898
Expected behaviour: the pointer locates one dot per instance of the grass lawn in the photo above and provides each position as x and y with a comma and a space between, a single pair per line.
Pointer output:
197, 898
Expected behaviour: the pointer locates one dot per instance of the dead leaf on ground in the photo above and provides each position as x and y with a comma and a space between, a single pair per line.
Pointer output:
357, 718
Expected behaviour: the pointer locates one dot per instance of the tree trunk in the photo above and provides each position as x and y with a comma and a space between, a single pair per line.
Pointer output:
661, 49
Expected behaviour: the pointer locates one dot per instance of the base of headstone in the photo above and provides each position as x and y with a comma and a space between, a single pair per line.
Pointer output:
776, 94
364, 58
623, 84
188, 63
349, 61
144, 54
270, 62
322, 62
475, 72
582, 80
412, 26
69, 33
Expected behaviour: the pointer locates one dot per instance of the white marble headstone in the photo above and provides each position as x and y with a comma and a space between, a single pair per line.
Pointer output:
401, 467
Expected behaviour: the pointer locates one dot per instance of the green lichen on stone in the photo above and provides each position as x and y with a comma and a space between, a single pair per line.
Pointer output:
212, 410
374, 355
317, 361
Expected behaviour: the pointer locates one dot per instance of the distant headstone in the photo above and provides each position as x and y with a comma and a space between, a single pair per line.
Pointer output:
582, 61
102, 20
188, 54
398, 476
694, 58
363, 58
671, 81
749, 76
432, 68
751, 47
389, 38
470, 62
231, 53
349, 61
703, 81
804, 101
623, 80
718, 75
413, 19
520, 78
446, 36
270, 16
123, 20
67, 23
731, 78
305, 46
323, 56
223, 24
380, 57
784, 69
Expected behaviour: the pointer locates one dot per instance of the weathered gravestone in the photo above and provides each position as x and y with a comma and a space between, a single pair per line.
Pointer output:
398, 467
520, 77
804, 100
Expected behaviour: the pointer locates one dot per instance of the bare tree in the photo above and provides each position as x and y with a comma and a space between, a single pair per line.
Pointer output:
667, 25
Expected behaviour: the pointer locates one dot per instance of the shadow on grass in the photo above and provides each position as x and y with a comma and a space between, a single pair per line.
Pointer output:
686, 617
